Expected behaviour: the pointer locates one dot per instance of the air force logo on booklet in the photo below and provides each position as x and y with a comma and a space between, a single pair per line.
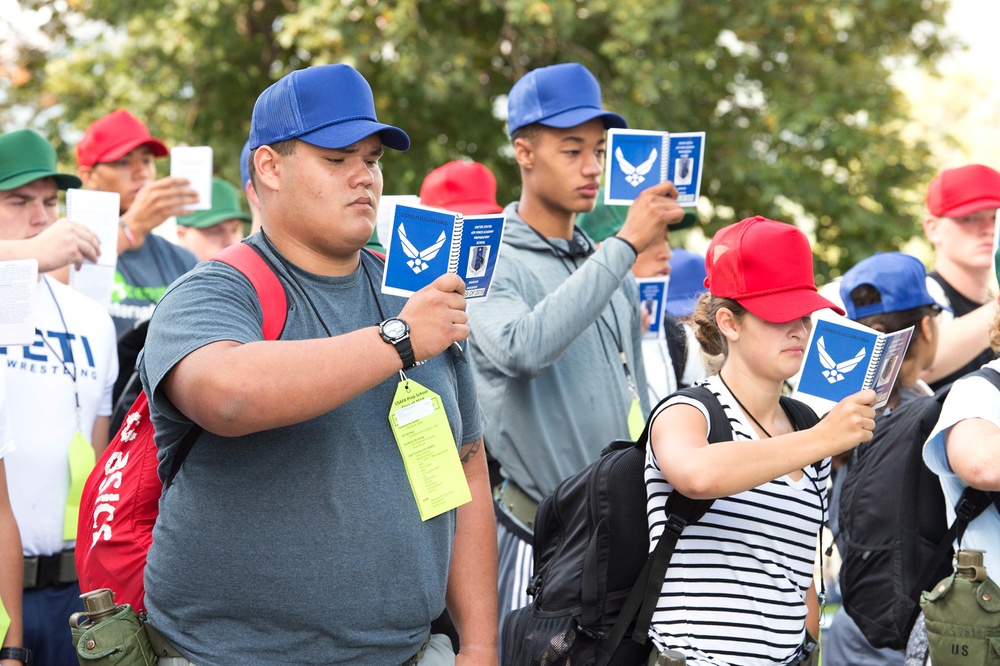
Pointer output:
419, 258
835, 371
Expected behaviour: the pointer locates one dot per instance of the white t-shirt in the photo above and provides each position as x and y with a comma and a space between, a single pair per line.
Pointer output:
6, 439
969, 398
735, 589
42, 406
660, 379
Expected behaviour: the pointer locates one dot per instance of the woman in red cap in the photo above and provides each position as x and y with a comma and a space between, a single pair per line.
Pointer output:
739, 588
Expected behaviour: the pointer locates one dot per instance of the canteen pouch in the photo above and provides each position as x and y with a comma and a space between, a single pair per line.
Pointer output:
963, 622
119, 640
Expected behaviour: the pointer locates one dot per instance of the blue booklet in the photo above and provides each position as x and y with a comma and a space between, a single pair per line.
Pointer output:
652, 300
639, 159
425, 243
844, 357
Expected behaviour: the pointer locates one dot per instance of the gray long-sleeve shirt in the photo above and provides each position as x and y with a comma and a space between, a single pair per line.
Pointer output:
545, 354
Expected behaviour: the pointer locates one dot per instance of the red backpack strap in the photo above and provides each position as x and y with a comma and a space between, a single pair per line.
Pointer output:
247, 260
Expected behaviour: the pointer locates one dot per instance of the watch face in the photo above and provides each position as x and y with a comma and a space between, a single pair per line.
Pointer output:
394, 329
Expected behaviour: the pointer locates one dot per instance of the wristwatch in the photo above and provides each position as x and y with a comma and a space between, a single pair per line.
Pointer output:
20, 654
396, 332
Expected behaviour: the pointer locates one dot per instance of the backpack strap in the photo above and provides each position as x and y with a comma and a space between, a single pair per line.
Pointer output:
273, 303
681, 511
969, 506
802, 417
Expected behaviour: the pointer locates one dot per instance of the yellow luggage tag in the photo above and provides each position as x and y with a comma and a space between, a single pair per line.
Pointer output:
636, 421
420, 425
4, 622
82, 459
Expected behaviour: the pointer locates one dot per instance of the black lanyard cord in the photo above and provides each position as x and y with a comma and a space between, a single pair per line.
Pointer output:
70, 357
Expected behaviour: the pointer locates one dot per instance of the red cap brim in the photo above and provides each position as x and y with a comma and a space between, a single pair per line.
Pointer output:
970, 207
784, 306
158, 147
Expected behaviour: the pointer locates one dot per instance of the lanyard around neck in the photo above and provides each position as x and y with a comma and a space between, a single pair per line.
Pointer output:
69, 352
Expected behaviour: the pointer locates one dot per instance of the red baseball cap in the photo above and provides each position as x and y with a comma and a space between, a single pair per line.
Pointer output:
767, 267
463, 186
963, 191
114, 136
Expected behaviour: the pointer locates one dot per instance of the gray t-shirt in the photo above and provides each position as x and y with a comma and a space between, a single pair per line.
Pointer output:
301, 544
142, 276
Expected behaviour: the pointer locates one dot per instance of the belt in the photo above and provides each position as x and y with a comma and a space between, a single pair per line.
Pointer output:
49, 570
516, 503
415, 659
161, 647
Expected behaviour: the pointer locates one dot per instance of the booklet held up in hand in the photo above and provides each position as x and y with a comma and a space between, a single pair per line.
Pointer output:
844, 357
426, 243
638, 159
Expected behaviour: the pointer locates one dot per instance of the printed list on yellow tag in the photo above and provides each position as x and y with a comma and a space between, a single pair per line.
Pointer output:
636, 421
420, 426
81, 461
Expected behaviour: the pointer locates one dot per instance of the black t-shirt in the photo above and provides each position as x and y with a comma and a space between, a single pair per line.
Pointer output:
960, 306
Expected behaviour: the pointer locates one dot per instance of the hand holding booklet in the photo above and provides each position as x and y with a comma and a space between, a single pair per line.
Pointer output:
844, 357
425, 243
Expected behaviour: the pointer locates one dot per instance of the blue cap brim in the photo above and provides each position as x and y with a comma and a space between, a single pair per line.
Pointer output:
579, 116
349, 132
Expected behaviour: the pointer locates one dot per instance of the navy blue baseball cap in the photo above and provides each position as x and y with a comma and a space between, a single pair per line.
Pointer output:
564, 95
330, 106
900, 279
687, 282
244, 161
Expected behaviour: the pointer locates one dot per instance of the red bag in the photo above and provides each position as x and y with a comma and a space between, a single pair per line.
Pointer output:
121, 497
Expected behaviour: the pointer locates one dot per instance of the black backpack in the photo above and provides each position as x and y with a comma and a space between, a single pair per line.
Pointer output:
893, 525
596, 584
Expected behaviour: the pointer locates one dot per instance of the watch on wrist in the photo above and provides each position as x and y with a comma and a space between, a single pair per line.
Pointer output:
396, 332
20, 654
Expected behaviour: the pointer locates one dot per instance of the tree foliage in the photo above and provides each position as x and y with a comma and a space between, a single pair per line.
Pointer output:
802, 120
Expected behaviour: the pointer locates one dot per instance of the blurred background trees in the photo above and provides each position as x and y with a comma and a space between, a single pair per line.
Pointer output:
803, 122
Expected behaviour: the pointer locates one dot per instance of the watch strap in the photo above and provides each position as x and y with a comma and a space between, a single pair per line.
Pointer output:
405, 349
18, 653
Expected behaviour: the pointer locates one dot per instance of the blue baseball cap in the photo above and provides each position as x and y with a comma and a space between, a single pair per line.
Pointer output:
564, 95
244, 159
900, 279
330, 106
687, 282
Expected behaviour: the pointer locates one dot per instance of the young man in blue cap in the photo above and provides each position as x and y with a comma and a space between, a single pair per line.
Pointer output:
556, 347
888, 292
296, 488
58, 401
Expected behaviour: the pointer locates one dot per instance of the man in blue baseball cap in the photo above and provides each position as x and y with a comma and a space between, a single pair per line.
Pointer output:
888, 292
301, 487
556, 347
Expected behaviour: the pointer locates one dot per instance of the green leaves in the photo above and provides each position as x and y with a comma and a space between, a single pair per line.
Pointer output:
802, 121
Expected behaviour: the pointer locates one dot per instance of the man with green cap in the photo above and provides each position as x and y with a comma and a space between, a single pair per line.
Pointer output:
59, 403
208, 232
64, 242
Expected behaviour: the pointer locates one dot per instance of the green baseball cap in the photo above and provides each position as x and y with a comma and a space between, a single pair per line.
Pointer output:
25, 156
605, 221
225, 206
